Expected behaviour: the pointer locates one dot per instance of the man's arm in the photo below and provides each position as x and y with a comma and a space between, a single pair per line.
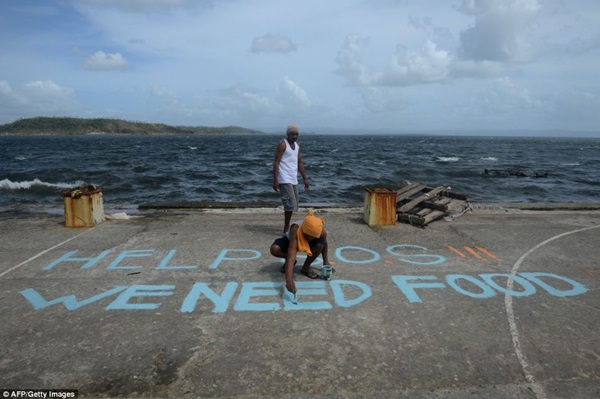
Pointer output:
301, 170
290, 259
278, 155
325, 252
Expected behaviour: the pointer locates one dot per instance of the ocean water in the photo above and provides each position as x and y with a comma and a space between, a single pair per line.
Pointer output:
139, 169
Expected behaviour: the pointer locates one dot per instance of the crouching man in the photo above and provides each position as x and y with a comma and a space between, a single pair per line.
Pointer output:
307, 236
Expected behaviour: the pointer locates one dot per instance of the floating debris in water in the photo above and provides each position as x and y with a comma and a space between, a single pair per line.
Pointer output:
513, 173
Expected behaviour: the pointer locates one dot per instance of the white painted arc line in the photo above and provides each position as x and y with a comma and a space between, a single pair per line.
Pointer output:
508, 304
42, 253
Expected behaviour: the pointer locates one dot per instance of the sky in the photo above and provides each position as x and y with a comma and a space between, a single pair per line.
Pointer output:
329, 66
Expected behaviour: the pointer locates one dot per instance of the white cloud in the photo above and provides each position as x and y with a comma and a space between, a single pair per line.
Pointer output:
405, 68
353, 62
383, 100
40, 97
136, 5
499, 30
47, 96
349, 61
476, 69
292, 95
237, 103
101, 61
484, 51
270, 43
501, 103
514, 96
409, 68
487, 7
165, 100
10, 101
5, 88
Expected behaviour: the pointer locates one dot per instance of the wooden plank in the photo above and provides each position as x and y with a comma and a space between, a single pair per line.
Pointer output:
408, 187
437, 205
410, 192
407, 207
422, 211
433, 216
411, 219
454, 195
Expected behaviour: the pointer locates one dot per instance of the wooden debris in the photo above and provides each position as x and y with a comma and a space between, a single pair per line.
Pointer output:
420, 205
513, 173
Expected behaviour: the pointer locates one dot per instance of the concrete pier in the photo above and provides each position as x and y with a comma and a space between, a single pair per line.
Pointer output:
501, 302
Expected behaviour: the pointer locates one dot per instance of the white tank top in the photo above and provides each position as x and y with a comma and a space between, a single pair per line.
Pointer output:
299, 223
288, 167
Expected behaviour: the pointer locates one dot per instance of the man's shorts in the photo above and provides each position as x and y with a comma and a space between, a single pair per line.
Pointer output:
284, 243
289, 197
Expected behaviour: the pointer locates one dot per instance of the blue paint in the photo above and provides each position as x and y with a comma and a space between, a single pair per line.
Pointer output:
266, 296
223, 256
134, 253
486, 290
338, 255
340, 298
488, 286
70, 301
288, 298
577, 288
403, 282
121, 303
68, 258
221, 302
307, 288
251, 290
414, 259
164, 264
528, 288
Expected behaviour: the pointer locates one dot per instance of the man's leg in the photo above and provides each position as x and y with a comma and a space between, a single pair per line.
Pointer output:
277, 252
306, 269
288, 218
289, 199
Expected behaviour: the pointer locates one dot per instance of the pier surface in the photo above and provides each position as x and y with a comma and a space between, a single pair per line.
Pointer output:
498, 303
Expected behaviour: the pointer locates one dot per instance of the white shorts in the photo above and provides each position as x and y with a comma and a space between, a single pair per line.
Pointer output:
289, 197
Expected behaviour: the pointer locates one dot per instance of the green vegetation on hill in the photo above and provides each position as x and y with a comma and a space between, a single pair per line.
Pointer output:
65, 125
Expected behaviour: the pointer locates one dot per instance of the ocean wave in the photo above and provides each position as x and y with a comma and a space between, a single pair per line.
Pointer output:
447, 159
168, 169
7, 184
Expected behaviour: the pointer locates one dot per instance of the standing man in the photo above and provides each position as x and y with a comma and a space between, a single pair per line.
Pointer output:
288, 162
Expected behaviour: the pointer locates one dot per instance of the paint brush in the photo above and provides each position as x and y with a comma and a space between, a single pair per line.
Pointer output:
293, 295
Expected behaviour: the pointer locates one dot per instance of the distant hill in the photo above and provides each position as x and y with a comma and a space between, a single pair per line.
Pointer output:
65, 125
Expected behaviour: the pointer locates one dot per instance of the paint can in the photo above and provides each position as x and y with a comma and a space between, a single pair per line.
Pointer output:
326, 272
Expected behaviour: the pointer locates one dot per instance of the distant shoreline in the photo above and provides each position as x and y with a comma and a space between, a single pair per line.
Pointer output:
106, 126
42, 125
